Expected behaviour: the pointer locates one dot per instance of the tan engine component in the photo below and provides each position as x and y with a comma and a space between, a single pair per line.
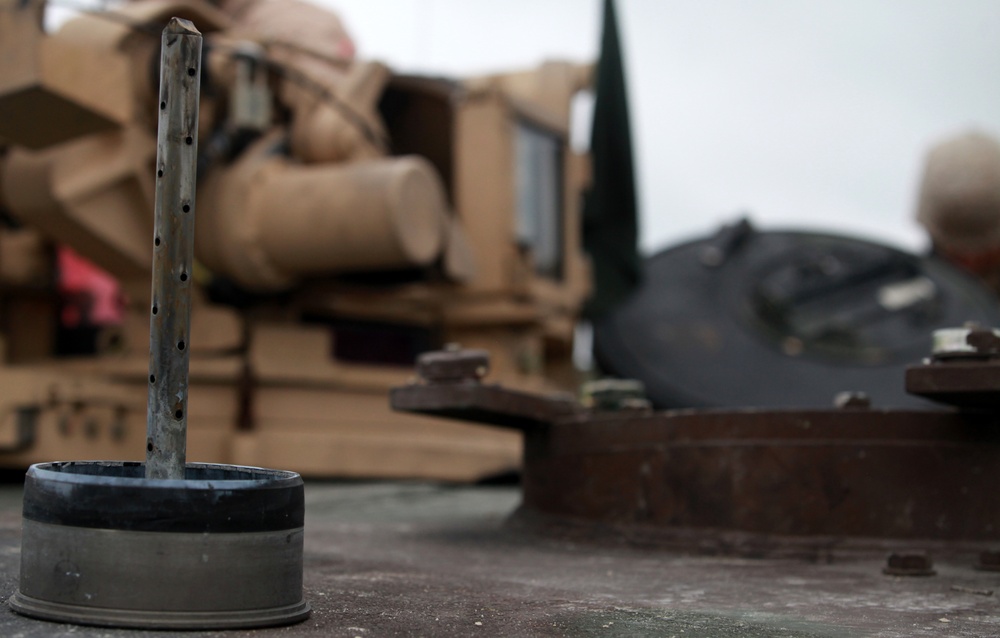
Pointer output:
94, 194
40, 82
268, 222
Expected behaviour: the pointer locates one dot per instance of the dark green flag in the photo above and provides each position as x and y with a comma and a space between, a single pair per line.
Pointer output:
610, 224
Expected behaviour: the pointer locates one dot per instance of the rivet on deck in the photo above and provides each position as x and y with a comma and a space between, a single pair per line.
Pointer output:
852, 400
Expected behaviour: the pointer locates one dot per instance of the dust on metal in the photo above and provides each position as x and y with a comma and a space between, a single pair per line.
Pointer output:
173, 250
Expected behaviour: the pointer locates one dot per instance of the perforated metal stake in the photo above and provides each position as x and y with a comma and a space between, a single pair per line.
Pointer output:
173, 251
165, 545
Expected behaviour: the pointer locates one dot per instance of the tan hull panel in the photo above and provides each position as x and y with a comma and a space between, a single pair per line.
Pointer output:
316, 432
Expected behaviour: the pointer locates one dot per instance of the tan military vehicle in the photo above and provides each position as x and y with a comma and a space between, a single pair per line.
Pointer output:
348, 219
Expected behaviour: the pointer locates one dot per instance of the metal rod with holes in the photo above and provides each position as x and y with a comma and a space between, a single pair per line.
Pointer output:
173, 251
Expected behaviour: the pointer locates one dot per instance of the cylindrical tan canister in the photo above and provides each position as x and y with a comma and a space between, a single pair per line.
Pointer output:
271, 222
370, 215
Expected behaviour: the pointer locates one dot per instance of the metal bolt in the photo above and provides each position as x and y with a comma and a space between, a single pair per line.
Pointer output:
969, 342
852, 400
913, 564
726, 242
614, 394
453, 365
985, 342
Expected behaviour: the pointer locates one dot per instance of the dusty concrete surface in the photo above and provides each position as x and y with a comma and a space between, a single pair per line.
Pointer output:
399, 559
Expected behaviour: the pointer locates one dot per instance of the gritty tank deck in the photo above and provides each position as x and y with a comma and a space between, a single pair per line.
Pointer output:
417, 559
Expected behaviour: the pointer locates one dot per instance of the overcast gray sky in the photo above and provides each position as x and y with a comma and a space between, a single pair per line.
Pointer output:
812, 114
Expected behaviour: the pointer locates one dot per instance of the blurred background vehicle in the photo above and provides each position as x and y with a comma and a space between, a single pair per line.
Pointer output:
349, 218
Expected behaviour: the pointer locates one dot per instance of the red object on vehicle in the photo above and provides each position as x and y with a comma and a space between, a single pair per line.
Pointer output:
91, 297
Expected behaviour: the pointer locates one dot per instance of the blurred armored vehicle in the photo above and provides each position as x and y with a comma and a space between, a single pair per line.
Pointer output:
348, 219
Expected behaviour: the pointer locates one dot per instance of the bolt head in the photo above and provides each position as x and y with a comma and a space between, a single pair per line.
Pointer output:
453, 366
614, 394
969, 342
857, 400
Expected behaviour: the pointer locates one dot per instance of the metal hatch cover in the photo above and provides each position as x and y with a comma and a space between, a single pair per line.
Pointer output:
751, 318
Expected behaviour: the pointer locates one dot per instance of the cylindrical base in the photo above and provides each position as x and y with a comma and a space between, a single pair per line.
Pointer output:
83, 615
222, 548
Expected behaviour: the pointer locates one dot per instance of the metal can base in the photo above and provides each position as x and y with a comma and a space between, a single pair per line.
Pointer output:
219, 549
104, 617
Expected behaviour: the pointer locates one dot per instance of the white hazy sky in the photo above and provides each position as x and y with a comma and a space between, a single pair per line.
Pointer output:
808, 114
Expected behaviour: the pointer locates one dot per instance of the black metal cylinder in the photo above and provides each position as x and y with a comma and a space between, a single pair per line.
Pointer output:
221, 548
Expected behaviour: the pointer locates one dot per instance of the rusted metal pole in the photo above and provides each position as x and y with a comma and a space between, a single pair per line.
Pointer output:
173, 251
